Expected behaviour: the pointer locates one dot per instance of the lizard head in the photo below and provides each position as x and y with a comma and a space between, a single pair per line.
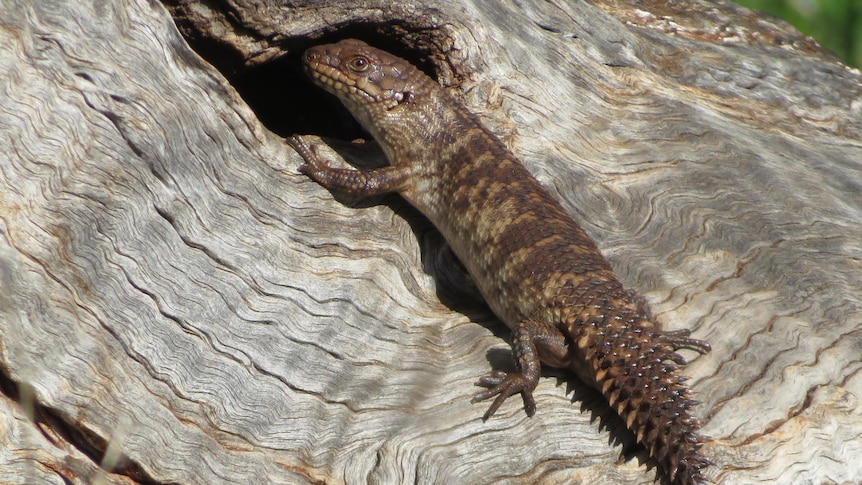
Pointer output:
379, 89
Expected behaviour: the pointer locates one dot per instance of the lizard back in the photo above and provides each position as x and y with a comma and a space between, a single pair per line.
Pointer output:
535, 266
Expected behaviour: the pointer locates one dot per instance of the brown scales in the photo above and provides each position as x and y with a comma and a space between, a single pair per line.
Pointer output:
537, 269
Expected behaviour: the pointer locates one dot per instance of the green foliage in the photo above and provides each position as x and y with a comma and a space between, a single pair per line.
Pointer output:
835, 24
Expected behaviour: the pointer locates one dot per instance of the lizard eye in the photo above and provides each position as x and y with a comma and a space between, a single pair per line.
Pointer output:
358, 63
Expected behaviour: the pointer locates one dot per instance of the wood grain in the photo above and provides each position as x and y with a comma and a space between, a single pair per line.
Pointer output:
173, 293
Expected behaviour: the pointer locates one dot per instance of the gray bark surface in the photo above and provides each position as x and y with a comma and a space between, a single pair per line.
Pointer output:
179, 305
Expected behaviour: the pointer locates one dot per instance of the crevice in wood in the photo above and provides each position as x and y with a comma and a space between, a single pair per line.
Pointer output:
86, 441
269, 77
287, 103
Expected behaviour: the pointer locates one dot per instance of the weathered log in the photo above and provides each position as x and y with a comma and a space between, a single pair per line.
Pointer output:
178, 305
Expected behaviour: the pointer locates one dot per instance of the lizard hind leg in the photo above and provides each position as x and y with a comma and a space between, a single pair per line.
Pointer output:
532, 343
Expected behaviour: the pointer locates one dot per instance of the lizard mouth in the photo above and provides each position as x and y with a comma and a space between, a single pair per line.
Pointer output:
337, 83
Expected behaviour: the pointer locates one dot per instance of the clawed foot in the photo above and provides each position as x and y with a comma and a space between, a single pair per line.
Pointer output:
358, 183
313, 166
350, 181
503, 385
679, 339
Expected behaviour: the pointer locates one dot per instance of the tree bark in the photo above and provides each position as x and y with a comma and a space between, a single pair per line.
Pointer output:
179, 305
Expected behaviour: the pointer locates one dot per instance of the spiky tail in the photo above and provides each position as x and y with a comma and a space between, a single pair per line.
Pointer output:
636, 370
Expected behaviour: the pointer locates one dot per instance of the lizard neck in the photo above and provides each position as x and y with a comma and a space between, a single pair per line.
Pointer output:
423, 137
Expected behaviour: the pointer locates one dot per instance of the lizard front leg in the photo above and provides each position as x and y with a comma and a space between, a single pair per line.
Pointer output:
532, 342
360, 183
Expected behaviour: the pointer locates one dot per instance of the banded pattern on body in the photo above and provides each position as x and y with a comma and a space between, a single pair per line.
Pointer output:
537, 269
